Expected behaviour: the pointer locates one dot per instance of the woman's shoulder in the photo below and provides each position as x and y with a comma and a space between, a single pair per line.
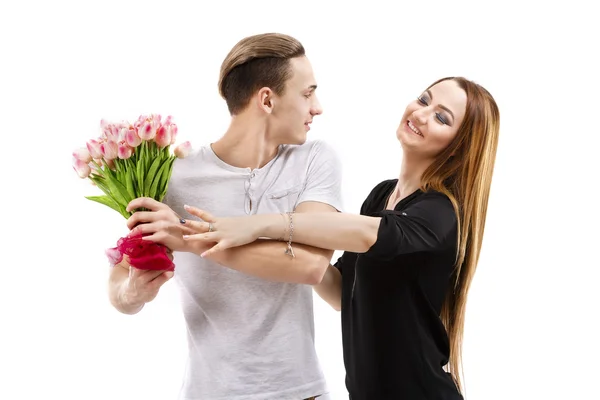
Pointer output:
379, 191
383, 186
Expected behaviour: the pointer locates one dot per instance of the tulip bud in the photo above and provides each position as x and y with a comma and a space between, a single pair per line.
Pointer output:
147, 130
83, 154
82, 168
163, 137
109, 150
132, 138
183, 150
93, 147
173, 129
124, 151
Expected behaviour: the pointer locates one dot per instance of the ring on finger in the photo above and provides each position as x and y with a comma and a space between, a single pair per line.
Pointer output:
210, 227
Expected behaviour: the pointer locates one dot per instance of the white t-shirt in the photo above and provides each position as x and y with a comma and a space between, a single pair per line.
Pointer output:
250, 338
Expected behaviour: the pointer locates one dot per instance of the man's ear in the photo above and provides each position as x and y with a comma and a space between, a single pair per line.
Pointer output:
265, 98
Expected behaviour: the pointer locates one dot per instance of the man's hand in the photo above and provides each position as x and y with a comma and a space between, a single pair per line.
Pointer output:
142, 286
131, 288
161, 224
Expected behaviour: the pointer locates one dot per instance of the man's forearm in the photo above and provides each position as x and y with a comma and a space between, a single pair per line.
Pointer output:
117, 281
330, 288
266, 259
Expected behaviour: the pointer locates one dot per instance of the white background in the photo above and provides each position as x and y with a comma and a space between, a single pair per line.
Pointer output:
531, 330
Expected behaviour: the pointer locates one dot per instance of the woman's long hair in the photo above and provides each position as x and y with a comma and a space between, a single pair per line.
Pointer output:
463, 172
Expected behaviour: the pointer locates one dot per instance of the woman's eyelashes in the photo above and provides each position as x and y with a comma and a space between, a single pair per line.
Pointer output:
439, 116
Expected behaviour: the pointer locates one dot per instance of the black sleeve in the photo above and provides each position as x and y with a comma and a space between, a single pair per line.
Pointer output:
427, 225
346, 259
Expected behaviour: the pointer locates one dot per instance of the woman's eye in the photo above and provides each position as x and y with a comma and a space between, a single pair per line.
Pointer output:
441, 118
422, 100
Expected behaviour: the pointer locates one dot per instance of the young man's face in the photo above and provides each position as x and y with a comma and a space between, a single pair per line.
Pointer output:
294, 111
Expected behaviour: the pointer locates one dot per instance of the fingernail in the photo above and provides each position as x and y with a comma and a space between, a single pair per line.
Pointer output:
186, 236
186, 206
182, 221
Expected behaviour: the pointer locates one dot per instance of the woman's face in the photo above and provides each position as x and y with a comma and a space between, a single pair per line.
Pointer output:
431, 122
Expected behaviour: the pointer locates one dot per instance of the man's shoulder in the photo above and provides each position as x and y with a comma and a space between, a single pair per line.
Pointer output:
309, 147
312, 151
198, 155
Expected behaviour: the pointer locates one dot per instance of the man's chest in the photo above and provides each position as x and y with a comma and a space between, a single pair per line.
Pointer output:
237, 194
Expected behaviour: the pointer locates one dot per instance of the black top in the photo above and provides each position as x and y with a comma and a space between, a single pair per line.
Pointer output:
395, 344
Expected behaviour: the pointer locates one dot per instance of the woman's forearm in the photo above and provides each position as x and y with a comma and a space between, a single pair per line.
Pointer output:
333, 231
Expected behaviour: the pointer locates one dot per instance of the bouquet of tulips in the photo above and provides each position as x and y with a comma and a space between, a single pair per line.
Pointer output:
131, 160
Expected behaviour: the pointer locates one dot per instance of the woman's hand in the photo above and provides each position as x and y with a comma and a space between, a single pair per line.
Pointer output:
217, 234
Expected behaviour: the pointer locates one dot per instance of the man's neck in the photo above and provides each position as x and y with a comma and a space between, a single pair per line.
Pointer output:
245, 144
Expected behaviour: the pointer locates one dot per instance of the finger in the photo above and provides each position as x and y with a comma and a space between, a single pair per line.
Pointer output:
209, 237
142, 276
184, 230
199, 213
141, 217
145, 202
196, 226
161, 278
147, 229
215, 249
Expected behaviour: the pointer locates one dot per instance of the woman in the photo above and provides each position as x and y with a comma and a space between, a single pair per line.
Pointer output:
409, 257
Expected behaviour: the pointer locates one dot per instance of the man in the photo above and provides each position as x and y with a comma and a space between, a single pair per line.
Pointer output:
248, 311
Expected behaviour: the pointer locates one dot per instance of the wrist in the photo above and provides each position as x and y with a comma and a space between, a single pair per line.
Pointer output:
271, 226
129, 301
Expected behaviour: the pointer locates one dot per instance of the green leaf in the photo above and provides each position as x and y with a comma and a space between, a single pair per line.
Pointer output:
166, 176
100, 183
155, 188
106, 200
118, 190
140, 178
129, 182
146, 163
150, 176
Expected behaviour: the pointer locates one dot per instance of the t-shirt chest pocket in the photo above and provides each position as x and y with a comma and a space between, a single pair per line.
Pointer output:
283, 200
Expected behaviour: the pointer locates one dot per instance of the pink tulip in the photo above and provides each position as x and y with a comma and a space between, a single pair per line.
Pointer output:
83, 154
147, 129
109, 131
93, 147
122, 133
82, 168
124, 151
173, 129
163, 137
132, 138
183, 150
109, 150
